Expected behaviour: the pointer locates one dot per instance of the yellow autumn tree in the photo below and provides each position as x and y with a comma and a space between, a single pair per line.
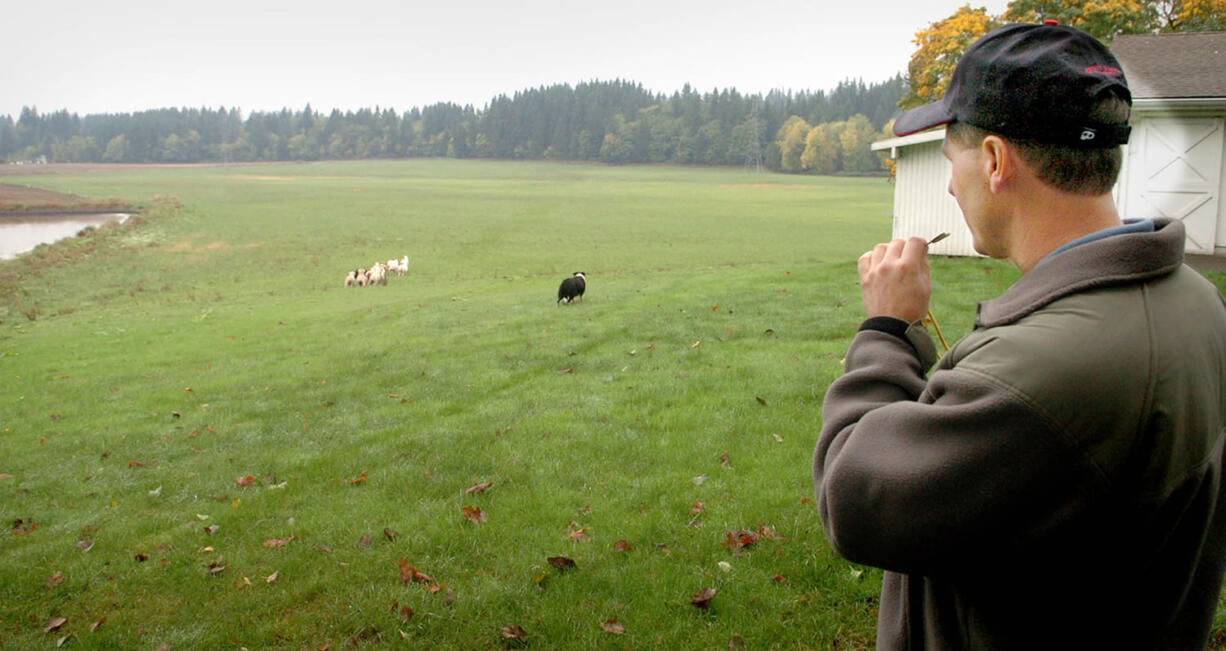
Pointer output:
1103, 19
939, 47
1192, 15
791, 141
822, 149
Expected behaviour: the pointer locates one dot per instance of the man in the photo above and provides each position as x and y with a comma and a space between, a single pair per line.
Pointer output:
1056, 482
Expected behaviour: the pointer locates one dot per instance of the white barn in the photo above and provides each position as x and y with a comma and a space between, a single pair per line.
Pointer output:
1173, 164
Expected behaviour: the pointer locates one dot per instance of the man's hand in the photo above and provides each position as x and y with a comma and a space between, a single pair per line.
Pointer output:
894, 280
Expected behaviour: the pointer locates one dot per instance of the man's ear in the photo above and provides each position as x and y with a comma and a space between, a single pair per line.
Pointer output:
999, 162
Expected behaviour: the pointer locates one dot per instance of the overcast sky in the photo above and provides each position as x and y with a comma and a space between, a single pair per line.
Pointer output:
100, 56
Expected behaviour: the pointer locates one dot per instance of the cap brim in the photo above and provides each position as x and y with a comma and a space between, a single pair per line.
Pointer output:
922, 118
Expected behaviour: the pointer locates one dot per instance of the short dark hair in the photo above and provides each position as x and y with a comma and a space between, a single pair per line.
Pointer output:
1077, 170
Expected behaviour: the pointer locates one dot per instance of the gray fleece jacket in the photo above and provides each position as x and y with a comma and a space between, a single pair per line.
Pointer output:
1057, 481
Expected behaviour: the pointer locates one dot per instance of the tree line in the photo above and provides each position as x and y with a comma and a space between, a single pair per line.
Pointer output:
608, 121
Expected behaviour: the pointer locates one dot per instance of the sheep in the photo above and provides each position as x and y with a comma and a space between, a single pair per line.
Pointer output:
351, 278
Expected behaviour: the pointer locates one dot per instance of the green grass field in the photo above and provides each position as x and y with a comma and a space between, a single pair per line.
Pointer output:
208, 442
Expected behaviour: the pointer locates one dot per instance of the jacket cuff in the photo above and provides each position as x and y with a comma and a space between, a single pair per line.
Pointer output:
912, 333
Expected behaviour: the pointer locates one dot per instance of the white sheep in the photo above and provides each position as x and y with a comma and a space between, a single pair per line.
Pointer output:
351, 279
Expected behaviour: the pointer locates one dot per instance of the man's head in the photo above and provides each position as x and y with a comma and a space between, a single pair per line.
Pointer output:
1054, 92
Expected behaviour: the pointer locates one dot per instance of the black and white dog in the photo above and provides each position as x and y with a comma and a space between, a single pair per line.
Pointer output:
572, 288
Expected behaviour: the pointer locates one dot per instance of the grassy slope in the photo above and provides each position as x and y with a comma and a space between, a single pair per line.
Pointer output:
719, 304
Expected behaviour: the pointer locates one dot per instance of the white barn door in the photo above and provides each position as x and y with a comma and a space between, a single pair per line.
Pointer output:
1175, 171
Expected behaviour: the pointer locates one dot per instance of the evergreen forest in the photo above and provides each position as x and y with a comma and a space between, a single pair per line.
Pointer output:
616, 122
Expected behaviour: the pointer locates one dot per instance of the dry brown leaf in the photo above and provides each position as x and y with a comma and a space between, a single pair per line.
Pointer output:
55, 624
723, 459
621, 546
702, 598
409, 574
579, 535
364, 540
141, 557
277, 542
244, 481
761, 400
137, 464
473, 514
55, 579
566, 371
778, 578
736, 540
389, 534
359, 479
478, 488
272, 577
93, 627
697, 508
211, 529
562, 562
514, 633
696, 344
611, 626
405, 613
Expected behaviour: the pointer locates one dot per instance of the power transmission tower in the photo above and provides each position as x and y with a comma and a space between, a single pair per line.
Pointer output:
753, 142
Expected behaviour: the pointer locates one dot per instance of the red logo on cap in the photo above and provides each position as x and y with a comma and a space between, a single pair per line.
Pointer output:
1103, 70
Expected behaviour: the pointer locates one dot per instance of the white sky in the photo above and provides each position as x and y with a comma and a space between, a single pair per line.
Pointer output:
110, 56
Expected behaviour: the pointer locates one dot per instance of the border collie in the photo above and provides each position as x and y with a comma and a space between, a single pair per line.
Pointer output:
572, 288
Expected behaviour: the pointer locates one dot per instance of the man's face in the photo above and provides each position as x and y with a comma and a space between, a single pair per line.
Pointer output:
968, 183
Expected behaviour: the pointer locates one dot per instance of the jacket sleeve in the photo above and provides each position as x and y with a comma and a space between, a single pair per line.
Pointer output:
924, 476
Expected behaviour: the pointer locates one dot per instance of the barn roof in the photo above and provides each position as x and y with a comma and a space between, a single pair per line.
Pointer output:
1182, 65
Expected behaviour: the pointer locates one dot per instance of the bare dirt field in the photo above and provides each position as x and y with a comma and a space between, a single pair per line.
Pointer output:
20, 194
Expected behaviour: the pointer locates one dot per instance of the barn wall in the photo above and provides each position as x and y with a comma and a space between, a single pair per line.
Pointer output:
1173, 168
922, 203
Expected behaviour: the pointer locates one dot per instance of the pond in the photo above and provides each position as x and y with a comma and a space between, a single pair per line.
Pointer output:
19, 234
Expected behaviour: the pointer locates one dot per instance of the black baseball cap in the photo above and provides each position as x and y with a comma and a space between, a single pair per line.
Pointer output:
1030, 82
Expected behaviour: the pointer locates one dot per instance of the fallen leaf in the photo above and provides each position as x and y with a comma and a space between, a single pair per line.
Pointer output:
55, 579
211, 529
778, 438
409, 574
175, 414
725, 566
562, 562
514, 633
359, 479
216, 567
55, 624
389, 534
272, 577
621, 546
244, 481
137, 464
364, 540
85, 545
702, 598
141, 557
566, 371
579, 535
761, 400
473, 514
5, 475
478, 488
93, 627
714, 308
778, 578
277, 542
736, 540
613, 627
696, 344
697, 508
723, 459
405, 613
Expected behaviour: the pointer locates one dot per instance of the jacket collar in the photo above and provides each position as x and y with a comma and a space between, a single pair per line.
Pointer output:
1112, 261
